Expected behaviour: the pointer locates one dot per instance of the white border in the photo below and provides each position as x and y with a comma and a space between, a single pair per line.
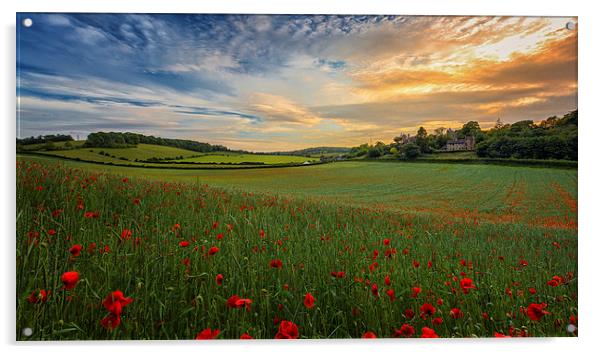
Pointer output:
590, 108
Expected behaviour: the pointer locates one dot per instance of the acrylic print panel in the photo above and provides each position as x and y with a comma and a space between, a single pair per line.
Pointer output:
295, 177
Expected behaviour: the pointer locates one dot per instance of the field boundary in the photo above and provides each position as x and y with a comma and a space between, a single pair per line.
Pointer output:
219, 166
561, 164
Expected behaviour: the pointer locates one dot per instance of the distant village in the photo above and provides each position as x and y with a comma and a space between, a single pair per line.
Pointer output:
551, 138
453, 144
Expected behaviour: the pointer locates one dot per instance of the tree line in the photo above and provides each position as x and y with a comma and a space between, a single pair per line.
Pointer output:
121, 140
552, 138
41, 139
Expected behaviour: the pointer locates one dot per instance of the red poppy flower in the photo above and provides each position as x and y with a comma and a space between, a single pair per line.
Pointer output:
246, 336
184, 243
287, 330
231, 302
38, 296
111, 321
415, 291
207, 333
555, 281
427, 310
391, 294
115, 302
406, 330
369, 335
456, 313
213, 250
466, 284
219, 279
276, 263
309, 301
126, 234
375, 290
428, 333
236, 302
75, 250
536, 311
70, 279
91, 214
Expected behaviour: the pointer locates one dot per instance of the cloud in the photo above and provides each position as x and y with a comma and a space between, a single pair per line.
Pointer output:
281, 110
274, 82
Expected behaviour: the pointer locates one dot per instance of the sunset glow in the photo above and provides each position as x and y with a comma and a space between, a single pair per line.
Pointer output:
275, 83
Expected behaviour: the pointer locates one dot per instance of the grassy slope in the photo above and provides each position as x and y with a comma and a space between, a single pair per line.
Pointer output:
537, 195
140, 152
32, 147
146, 151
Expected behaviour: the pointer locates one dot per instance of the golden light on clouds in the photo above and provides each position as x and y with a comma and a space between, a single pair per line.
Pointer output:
282, 82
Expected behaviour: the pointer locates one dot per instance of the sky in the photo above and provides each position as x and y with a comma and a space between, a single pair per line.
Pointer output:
280, 82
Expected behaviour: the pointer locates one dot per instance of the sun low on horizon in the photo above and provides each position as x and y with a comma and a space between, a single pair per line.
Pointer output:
287, 82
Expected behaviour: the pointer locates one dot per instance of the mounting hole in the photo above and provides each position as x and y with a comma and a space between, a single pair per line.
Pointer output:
27, 22
27, 332
571, 328
570, 25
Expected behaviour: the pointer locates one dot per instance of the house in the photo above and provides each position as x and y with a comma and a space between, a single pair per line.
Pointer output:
455, 144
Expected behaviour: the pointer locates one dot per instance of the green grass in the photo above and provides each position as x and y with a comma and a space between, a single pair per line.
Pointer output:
473, 221
235, 158
507, 193
451, 155
140, 152
143, 152
33, 147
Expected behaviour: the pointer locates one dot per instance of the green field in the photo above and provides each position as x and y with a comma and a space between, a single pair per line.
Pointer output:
140, 152
59, 144
535, 195
235, 158
360, 237
173, 157
451, 155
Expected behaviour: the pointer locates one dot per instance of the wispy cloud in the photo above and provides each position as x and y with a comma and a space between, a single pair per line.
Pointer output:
279, 82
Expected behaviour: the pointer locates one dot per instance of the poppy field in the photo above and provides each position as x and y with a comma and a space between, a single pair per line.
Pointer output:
318, 252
